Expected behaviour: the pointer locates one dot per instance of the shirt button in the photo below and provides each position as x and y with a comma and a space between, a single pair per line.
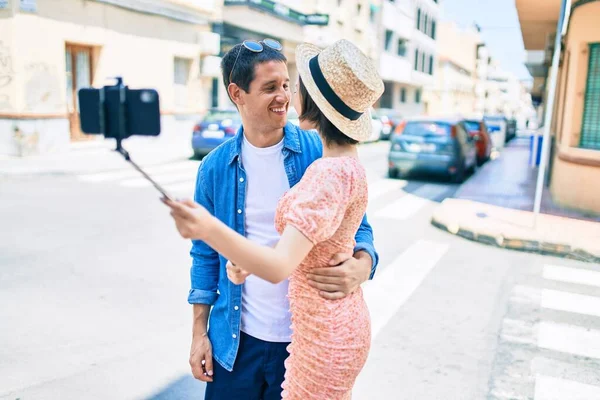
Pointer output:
236, 308
241, 179
234, 336
239, 210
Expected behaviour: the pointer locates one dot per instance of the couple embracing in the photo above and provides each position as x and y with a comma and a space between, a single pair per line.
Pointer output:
281, 242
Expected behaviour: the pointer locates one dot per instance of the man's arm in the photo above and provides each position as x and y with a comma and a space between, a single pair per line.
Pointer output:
364, 243
204, 275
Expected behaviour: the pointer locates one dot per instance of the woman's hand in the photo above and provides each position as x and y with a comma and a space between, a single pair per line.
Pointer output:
191, 219
236, 274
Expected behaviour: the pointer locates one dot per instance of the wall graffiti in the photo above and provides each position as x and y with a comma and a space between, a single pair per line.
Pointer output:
42, 88
6, 76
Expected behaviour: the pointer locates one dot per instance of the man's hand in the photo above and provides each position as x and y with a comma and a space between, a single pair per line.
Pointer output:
344, 276
201, 359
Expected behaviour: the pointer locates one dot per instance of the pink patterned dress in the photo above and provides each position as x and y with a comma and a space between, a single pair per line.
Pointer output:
331, 338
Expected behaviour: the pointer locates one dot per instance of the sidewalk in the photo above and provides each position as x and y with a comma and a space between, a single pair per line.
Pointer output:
99, 156
495, 207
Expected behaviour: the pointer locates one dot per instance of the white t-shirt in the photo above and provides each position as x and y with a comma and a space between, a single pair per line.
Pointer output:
265, 306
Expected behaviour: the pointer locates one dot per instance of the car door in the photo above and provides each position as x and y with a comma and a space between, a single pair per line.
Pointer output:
467, 144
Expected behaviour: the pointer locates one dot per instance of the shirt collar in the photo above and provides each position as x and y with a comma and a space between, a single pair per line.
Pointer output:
291, 141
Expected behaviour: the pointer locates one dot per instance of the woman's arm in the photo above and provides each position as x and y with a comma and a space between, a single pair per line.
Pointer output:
271, 264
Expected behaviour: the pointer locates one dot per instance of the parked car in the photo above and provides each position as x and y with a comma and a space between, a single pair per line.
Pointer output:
217, 126
390, 119
477, 129
377, 127
497, 128
437, 145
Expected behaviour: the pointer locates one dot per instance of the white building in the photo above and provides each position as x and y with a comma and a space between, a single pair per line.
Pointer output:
408, 53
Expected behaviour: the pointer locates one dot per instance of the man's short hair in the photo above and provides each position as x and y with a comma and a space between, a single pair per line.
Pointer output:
243, 74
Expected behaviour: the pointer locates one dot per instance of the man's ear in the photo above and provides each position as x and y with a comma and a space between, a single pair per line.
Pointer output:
235, 93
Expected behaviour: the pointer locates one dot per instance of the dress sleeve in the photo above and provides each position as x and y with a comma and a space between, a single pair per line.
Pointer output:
320, 202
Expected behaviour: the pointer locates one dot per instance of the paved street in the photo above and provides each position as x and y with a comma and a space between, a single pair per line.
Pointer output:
94, 281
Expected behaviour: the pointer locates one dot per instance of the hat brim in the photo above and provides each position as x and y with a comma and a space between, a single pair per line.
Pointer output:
360, 129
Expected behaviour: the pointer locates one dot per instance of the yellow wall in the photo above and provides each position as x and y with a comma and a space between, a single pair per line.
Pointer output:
139, 47
7, 69
575, 183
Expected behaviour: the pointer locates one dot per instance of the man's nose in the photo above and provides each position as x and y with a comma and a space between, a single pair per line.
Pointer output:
283, 95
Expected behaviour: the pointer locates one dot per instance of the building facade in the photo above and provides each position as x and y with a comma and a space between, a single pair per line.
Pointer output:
72, 44
575, 117
455, 80
408, 53
291, 22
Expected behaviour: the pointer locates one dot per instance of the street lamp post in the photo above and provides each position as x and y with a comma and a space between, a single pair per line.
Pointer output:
562, 23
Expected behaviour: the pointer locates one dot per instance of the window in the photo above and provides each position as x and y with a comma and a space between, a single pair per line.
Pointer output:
430, 65
388, 39
372, 15
416, 59
402, 47
403, 95
433, 29
358, 9
181, 76
214, 96
385, 100
418, 96
418, 18
590, 127
424, 25
423, 62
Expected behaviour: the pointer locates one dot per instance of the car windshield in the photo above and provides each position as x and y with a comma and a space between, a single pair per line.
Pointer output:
218, 116
424, 128
472, 125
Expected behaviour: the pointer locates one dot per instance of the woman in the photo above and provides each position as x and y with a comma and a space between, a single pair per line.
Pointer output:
316, 219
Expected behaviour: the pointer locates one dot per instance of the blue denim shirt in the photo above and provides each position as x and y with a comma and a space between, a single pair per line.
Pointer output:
221, 188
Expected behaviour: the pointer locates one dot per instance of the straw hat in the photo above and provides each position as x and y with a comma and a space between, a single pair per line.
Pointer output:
343, 82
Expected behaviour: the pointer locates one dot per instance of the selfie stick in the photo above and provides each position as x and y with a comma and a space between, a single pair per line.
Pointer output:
120, 149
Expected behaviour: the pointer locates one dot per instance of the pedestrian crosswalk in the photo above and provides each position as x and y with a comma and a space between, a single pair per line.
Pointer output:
550, 339
179, 179
176, 178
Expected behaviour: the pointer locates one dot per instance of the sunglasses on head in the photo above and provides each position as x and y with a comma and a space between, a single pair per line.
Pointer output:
256, 47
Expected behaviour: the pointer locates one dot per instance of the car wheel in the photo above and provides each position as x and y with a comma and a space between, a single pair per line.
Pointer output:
459, 176
198, 155
473, 168
393, 173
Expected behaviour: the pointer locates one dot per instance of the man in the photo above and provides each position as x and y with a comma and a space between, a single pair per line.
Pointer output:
242, 355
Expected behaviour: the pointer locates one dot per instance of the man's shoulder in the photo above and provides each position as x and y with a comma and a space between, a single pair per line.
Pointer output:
309, 141
218, 157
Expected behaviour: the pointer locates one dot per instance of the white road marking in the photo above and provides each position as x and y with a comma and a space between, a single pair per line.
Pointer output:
572, 275
569, 339
571, 302
403, 208
383, 186
392, 286
550, 388
153, 171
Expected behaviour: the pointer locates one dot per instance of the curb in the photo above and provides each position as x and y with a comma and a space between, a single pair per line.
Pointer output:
529, 246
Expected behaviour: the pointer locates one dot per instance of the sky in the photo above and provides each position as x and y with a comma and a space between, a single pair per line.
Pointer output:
500, 29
